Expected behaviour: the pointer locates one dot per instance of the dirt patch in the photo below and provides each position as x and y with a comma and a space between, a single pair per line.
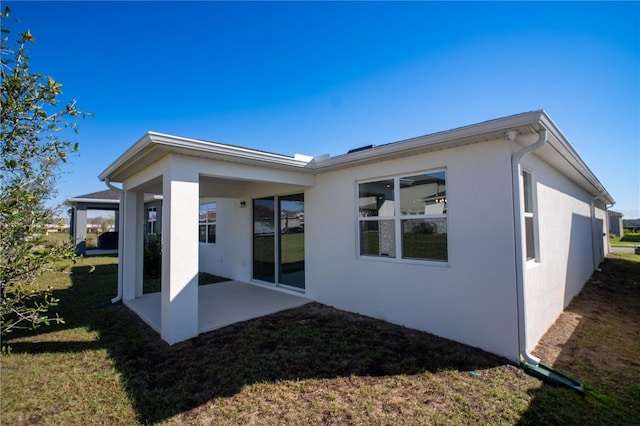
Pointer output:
597, 338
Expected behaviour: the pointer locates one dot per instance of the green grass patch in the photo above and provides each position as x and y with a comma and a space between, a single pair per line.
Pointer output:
630, 257
154, 285
310, 365
629, 239
57, 237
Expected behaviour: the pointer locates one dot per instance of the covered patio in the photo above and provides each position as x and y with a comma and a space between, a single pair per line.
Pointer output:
222, 304
188, 173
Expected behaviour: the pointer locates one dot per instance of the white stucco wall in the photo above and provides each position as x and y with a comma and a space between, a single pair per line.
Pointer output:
566, 258
472, 298
230, 256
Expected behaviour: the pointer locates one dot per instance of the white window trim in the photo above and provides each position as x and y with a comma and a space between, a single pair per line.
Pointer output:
152, 223
534, 215
207, 223
397, 218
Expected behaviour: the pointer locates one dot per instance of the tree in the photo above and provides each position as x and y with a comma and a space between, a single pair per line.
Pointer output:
34, 146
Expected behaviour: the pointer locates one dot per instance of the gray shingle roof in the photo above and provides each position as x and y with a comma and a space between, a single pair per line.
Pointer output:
107, 194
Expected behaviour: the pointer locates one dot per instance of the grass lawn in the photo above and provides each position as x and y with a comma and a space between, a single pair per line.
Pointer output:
315, 365
629, 239
58, 237
90, 238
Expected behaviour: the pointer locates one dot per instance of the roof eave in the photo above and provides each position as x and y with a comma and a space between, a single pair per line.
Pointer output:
168, 144
564, 148
126, 157
72, 200
218, 150
474, 133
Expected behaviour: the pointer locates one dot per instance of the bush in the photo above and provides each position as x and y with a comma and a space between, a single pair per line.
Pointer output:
152, 256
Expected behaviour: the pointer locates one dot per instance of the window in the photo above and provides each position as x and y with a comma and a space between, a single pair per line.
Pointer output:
207, 222
152, 217
404, 217
529, 214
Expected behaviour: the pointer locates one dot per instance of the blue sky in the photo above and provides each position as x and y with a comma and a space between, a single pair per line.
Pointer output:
325, 77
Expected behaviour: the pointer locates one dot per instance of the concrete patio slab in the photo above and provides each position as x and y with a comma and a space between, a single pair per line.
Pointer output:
223, 304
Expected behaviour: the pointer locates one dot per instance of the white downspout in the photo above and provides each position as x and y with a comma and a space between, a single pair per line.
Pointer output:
120, 243
520, 261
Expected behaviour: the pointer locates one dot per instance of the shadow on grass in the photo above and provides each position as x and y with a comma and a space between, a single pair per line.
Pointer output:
597, 341
311, 342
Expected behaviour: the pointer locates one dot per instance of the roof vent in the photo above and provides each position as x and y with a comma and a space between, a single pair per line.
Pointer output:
362, 148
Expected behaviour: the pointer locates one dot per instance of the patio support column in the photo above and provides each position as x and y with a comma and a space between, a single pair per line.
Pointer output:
179, 307
116, 223
132, 241
80, 228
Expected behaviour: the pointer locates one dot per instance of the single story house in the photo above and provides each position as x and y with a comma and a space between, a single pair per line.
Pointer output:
481, 234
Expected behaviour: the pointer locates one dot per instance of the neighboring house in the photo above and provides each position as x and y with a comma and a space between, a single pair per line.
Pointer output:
482, 234
108, 199
616, 226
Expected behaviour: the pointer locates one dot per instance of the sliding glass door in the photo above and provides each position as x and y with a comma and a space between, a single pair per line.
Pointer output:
264, 250
291, 239
278, 240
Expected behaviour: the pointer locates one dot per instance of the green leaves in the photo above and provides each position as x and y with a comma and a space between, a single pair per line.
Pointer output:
10, 163
33, 146
27, 37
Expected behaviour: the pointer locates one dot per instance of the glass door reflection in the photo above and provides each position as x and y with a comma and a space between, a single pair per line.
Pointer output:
291, 240
264, 258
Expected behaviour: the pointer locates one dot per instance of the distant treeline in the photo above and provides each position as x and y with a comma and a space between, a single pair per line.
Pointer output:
631, 224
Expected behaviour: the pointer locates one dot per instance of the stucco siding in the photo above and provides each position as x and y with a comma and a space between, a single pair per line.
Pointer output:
231, 255
471, 298
224, 257
566, 248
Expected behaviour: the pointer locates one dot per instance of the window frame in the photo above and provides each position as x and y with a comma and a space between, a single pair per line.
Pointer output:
152, 224
207, 223
529, 202
398, 218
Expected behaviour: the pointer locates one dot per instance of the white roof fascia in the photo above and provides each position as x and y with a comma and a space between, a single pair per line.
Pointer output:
91, 200
481, 132
436, 141
126, 156
218, 149
563, 147
208, 149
